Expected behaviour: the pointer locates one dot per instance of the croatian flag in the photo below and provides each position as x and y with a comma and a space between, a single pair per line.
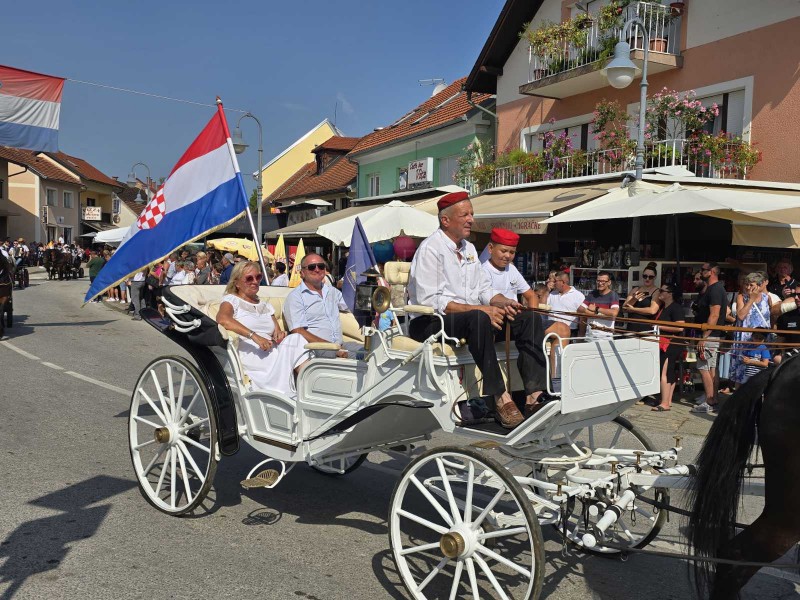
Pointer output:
30, 105
203, 192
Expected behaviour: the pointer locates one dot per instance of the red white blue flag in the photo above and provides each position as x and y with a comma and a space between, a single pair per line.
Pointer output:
30, 106
203, 192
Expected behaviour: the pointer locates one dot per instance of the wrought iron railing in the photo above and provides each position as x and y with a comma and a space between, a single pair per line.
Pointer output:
661, 24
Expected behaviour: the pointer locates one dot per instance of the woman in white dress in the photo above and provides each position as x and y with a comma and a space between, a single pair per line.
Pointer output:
269, 356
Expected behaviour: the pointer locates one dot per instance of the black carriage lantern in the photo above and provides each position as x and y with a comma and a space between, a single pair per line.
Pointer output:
365, 290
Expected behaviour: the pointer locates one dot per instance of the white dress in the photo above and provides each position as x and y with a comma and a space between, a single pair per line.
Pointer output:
272, 369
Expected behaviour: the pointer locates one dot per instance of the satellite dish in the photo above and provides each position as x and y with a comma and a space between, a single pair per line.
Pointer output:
439, 87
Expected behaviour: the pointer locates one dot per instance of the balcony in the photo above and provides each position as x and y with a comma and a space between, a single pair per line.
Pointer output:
728, 160
571, 64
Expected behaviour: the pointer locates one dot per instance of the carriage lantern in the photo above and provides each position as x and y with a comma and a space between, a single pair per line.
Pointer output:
365, 290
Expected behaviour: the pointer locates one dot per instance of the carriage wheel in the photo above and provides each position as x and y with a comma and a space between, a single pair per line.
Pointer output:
26, 278
80, 273
173, 435
461, 526
340, 466
636, 528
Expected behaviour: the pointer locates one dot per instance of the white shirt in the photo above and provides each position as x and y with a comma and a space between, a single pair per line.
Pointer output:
569, 302
305, 308
442, 272
179, 278
281, 280
508, 282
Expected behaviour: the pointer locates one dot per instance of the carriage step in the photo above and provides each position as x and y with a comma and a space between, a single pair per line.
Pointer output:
266, 479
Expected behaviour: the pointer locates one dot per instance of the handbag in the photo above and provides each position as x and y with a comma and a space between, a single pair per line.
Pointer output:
663, 342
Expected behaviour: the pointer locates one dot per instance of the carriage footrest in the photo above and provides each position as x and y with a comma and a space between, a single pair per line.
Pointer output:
265, 479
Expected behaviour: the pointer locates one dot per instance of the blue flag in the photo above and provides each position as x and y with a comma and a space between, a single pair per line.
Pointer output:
360, 260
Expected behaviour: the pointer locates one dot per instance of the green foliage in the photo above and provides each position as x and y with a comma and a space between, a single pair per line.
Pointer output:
254, 200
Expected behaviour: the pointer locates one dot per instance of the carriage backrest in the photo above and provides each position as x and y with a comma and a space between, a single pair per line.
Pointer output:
207, 299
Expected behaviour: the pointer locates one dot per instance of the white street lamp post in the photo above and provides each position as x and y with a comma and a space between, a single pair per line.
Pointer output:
132, 181
620, 72
240, 146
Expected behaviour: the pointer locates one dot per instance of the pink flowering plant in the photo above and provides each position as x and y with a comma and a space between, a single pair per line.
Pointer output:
721, 155
672, 115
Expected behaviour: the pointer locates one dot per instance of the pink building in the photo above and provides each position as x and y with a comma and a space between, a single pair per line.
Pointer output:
741, 55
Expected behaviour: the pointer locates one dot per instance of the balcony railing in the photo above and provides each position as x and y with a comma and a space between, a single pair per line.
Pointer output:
675, 152
663, 27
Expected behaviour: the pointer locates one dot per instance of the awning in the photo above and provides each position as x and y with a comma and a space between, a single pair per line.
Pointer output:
522, 211
311, 227
96, 225
405, 196
111, 236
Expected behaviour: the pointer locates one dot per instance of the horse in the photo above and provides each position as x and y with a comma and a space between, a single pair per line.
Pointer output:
57, 263
6, 289
766, 406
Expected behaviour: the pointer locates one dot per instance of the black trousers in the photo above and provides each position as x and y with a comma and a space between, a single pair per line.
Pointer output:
476, 327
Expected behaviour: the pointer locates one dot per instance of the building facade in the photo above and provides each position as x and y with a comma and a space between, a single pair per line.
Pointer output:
421, 149
738, 56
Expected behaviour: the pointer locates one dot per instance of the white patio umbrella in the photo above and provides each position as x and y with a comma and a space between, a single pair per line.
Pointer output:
382, 223
677, 200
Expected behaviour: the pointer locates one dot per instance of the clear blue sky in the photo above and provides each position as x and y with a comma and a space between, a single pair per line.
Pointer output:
286, 62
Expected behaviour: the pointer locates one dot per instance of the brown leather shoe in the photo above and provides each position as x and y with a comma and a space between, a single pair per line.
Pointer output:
508, 415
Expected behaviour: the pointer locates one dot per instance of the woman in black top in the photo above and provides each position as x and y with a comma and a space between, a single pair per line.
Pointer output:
672, 311
642, 302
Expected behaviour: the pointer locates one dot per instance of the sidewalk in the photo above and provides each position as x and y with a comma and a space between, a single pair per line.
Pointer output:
679, 420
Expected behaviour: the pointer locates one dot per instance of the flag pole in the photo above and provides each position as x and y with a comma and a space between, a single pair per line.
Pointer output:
244, 193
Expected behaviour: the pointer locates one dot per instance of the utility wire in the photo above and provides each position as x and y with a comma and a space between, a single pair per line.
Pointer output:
120, 89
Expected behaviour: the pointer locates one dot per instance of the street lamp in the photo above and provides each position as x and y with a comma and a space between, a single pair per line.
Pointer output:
240, 146
132, 181
620, 72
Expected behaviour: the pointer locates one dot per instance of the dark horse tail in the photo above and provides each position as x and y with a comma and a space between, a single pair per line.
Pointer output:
714, 493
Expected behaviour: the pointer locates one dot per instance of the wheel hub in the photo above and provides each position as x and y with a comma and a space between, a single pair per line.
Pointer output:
452, 544
162, 435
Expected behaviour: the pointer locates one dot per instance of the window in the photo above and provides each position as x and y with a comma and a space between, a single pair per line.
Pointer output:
580, 136
52, 198
344, 203
91, 202
731, 113
402, 179
67, 199
448, 167
67, 235
374, 184
115, 205
2, 187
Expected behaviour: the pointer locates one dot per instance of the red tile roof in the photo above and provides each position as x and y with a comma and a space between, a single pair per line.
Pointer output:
129, 197
338, 142
84, 169
339, 173
448, 105
41, 166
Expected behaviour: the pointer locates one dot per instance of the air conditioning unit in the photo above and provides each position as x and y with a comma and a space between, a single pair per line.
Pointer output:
60, 220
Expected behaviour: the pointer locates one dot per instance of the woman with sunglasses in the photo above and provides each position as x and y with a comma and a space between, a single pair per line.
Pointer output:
642, 301
268, 355
670, 352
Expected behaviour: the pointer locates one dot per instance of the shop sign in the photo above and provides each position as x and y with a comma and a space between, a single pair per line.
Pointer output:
92, 213
420, 172
520, 225
45, 215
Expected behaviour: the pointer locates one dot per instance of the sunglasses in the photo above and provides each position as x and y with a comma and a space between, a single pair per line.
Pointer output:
603, 281
252, 278
648, 276
315, 266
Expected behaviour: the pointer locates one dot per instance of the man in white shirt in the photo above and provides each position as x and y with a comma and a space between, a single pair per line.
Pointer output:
499, 266
447, 275
282, 278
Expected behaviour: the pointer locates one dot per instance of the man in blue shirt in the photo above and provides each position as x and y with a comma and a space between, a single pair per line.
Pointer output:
227, 264
312, 308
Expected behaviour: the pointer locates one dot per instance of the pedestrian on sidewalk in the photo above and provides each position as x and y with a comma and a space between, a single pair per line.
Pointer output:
137, 293
669, 297
710, 311
94, 265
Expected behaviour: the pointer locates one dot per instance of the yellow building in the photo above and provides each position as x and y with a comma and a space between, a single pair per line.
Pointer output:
288, 162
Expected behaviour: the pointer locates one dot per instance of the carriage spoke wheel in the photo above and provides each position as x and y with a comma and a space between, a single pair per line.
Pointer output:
173, 435
637, 527
460, 526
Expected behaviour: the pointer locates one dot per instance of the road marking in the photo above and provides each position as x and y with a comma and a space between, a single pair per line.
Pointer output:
11, 346
102, 384
52, 366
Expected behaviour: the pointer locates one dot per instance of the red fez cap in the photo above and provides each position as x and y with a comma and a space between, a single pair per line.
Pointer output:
450, 199
504, 236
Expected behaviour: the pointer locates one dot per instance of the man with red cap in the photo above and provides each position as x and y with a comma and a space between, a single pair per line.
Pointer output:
447, 276
499, 266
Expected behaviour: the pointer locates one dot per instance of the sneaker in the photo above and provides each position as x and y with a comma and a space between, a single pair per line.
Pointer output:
706, 408
701, 399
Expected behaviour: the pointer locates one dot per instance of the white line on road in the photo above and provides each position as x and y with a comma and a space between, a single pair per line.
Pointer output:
11, 346
52, 366
102, 384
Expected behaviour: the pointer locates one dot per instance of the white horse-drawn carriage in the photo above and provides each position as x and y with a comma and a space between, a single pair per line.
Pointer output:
463, 521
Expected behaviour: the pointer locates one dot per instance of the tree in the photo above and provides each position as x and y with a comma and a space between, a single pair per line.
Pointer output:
254, 200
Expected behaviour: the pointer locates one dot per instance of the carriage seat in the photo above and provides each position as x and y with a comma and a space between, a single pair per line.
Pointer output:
207, 299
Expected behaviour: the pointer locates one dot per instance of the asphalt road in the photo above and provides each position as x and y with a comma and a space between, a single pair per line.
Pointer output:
74, 524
